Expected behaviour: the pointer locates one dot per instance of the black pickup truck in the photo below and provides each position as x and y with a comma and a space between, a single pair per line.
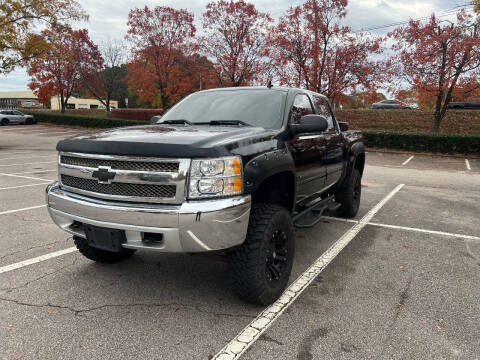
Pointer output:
231, 171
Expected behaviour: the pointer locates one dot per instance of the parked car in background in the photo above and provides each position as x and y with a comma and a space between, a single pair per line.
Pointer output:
15, 117
470, 104
391, 104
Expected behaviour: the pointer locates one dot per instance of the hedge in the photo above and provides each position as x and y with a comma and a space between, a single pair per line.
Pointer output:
466, 122
81, 120
441, 143
136, 114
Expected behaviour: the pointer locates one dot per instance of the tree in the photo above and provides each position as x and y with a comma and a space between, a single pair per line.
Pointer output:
18, 19
310, 49
58, 70
159, 38
235, 38
105, 80
436, 57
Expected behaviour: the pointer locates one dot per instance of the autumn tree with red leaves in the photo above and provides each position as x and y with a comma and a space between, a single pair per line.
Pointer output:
310, 49
436, 57
161, 37
235, 38
58, 70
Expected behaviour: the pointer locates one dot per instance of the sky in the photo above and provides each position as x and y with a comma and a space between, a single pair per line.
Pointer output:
108, 19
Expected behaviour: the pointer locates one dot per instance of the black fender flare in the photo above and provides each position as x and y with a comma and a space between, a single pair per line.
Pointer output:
263, 166
356, 149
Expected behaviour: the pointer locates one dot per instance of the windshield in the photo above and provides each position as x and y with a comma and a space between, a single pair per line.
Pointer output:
263, 108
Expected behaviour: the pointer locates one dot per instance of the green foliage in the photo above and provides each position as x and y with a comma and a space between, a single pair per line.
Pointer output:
433, 143
81, 120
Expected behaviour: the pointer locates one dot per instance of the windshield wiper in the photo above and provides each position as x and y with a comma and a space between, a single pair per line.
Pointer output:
177, 121
229, 122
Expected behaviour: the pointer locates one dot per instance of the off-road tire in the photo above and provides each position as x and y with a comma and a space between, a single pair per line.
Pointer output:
349, 195
251, 263
100, 255
4, 122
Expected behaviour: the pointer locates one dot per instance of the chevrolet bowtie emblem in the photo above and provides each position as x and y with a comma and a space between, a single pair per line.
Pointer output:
104, 175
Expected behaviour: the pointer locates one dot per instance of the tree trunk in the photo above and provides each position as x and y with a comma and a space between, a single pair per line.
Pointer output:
437, 121
62, 103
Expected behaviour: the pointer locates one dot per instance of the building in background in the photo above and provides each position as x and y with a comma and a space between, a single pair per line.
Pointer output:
19, 99
76, 103
27, 99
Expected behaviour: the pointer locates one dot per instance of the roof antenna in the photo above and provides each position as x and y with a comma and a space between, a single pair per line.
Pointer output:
269, 85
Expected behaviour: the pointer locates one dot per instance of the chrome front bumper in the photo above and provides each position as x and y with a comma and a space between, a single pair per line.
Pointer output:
196, 226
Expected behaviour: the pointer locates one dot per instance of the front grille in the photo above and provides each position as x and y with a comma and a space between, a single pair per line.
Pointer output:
121, 164
120, 189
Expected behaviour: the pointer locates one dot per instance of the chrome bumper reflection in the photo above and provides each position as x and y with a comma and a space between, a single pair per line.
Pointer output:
189, 227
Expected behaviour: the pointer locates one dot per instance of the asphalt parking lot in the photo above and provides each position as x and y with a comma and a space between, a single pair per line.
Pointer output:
405, 286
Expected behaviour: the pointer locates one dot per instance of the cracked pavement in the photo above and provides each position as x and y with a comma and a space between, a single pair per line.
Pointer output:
390, 293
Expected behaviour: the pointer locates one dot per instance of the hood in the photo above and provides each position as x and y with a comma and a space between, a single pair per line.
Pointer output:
168, 141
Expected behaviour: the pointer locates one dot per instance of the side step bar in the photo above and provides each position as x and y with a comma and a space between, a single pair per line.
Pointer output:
316, 211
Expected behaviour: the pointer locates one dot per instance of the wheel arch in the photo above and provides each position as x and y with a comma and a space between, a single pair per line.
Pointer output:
270, 178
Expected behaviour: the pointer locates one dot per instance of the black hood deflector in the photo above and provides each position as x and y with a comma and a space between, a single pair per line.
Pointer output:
139, 149
166, 141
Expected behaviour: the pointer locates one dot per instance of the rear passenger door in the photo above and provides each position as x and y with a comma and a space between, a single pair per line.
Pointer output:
308, 152
334, 160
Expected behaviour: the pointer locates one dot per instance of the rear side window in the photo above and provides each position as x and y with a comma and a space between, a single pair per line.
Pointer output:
323, 108
301, 106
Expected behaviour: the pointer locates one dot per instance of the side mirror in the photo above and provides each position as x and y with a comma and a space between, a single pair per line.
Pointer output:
343, 125
155, 119
309, 124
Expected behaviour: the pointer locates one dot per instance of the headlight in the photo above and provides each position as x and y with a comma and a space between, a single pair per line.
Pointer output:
215, 177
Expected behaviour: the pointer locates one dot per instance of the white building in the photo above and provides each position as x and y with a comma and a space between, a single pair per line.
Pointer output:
27, 99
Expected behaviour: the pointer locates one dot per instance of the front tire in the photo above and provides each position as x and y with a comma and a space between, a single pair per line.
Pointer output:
261, 266
99, 255
349, 195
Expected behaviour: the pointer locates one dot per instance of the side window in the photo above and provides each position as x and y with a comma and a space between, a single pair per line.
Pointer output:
301, 106
323, 108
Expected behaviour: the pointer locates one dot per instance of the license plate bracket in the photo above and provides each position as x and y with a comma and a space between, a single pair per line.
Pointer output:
104, 238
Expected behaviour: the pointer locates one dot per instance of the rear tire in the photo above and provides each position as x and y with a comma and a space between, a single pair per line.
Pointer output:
261, 266
99, 255
349, 195
4, 122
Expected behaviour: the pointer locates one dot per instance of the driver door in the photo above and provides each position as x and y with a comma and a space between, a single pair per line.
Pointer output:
308, 152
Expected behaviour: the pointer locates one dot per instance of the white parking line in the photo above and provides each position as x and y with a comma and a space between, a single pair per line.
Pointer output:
20, 128
58, 133
25, 177
235, 348
468, 164
23, 209
408, 160
37, 259
23, 186
34, 163
34, 172
18, 153
20, 158
425, 231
